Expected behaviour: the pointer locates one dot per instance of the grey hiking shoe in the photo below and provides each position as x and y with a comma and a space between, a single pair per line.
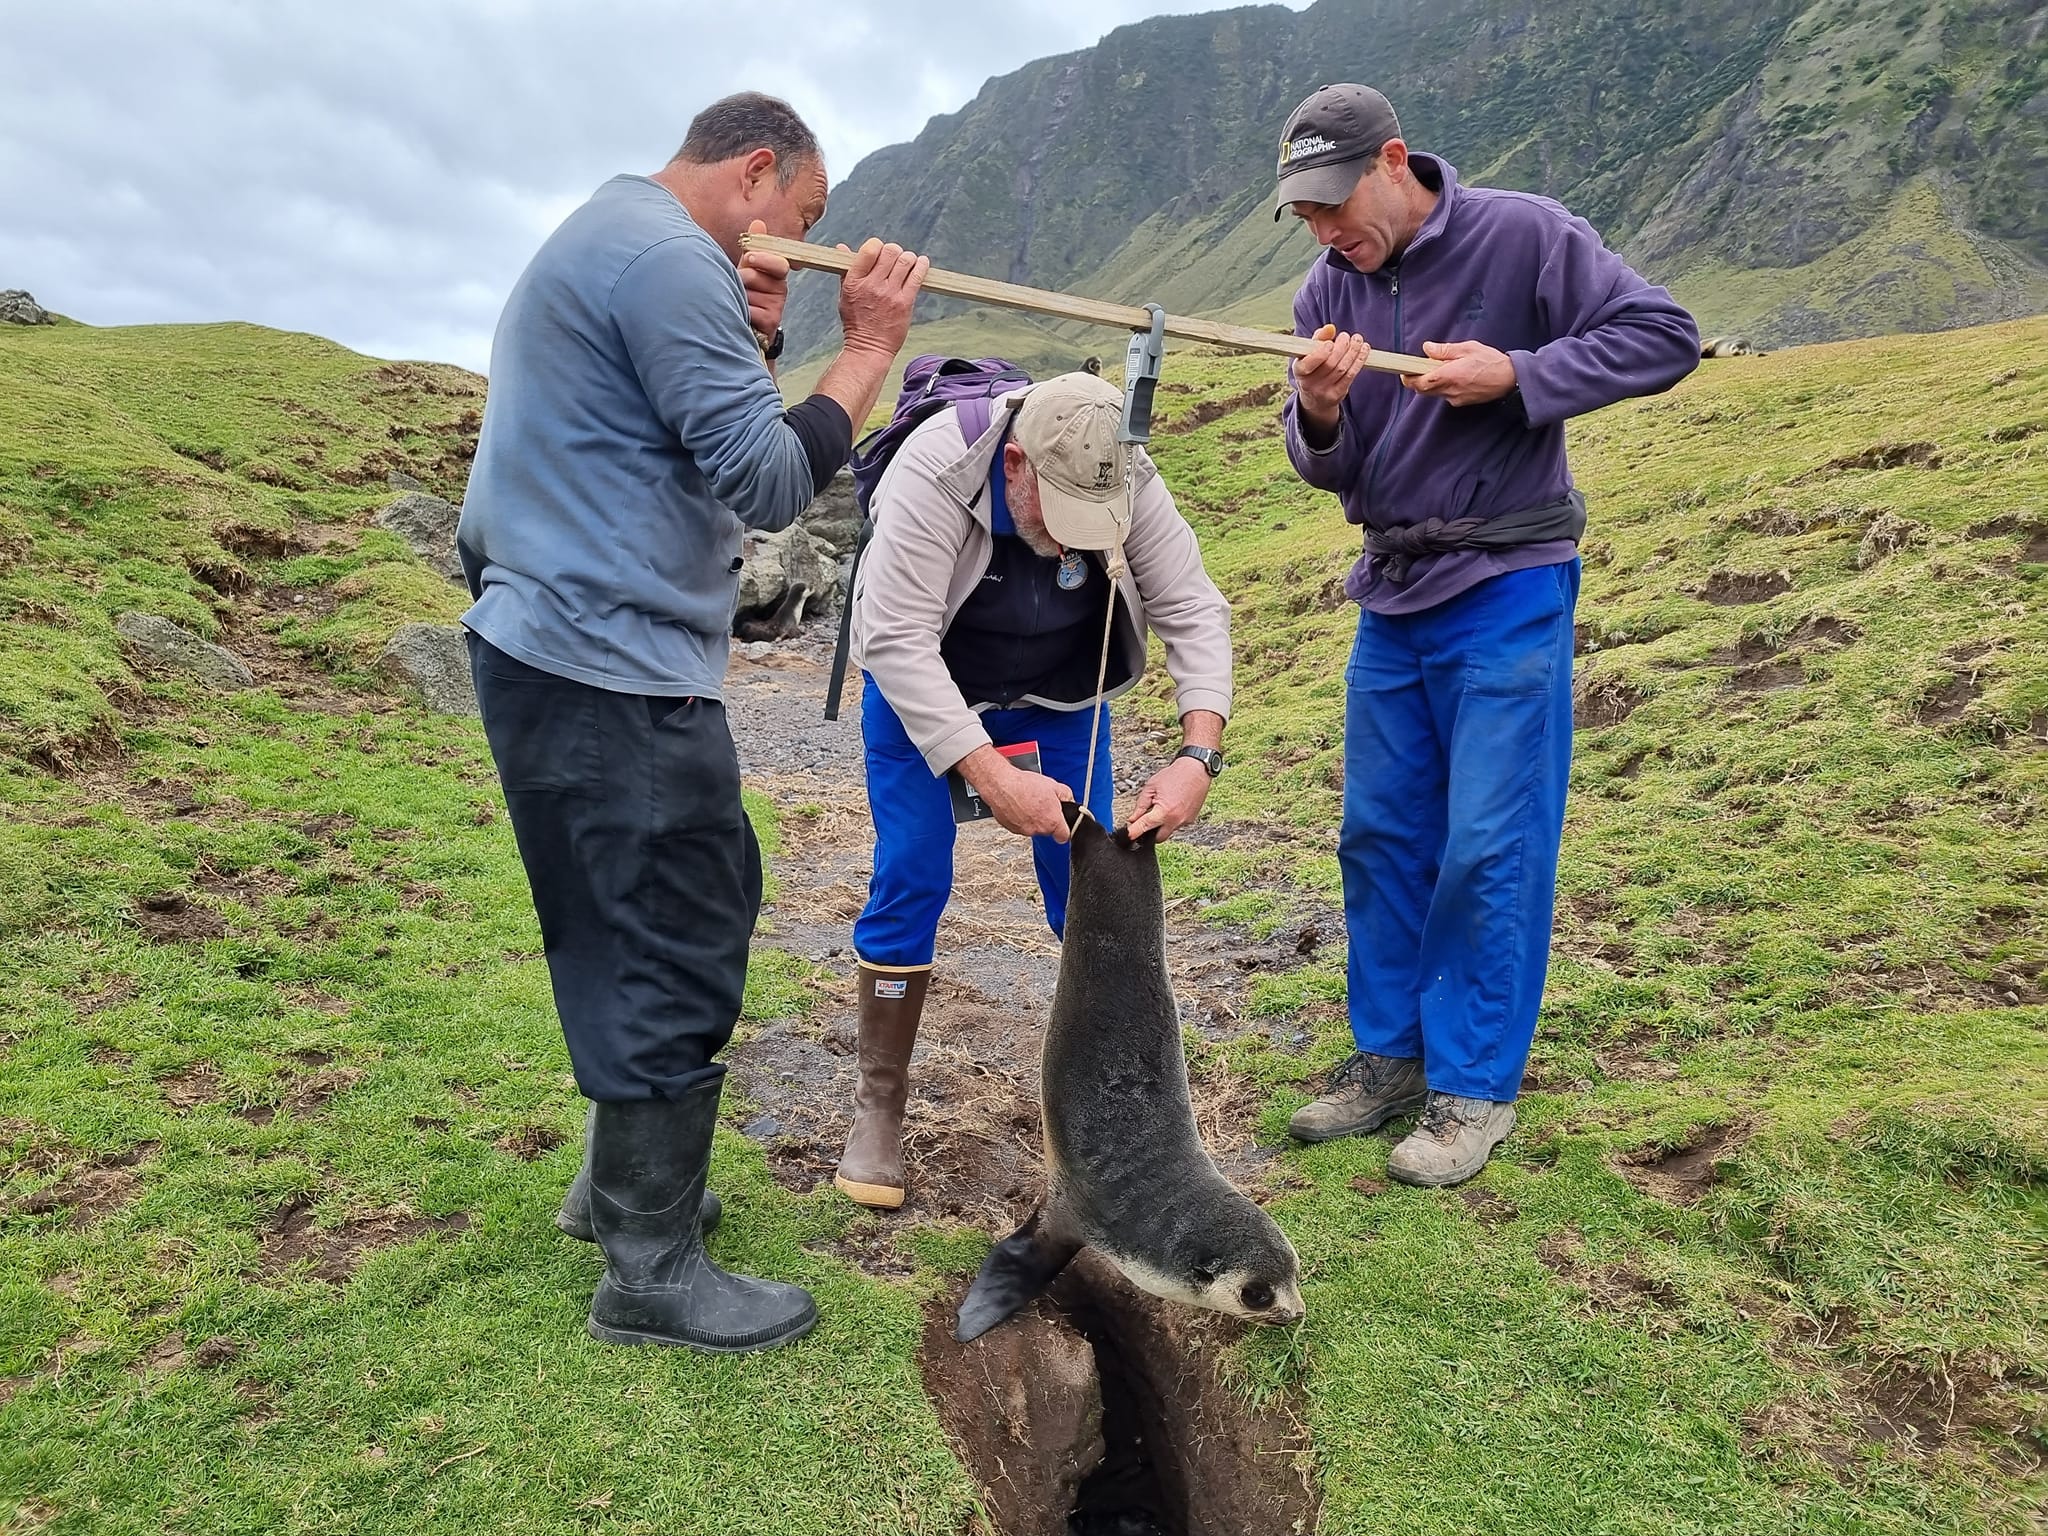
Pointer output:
1451, 1141
1363, 1094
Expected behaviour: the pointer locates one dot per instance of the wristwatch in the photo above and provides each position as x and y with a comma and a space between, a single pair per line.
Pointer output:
773, 349
1208, 757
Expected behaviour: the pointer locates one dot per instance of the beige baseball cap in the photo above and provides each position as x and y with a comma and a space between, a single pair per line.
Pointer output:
1067, 428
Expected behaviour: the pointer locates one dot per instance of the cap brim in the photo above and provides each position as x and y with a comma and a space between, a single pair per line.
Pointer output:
1077, 523
1327, 184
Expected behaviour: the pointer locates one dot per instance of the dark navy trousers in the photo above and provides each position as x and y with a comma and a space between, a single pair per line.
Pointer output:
1457, 748
645, 873
913, 813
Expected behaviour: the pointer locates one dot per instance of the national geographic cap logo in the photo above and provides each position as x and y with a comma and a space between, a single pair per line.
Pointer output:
1292, 150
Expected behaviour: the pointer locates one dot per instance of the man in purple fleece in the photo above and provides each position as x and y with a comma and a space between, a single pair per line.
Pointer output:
1458, 696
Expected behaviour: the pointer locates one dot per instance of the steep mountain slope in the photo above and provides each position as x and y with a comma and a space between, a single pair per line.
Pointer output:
1802, 170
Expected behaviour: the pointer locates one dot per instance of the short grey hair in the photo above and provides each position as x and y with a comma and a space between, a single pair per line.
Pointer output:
740, 124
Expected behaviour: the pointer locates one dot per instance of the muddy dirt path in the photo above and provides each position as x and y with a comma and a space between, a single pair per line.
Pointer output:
972, 1132
1089, 1411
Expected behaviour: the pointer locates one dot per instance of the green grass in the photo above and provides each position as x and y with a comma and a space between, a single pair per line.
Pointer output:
1795, 912
368, 1040
1789, 922
340, 1403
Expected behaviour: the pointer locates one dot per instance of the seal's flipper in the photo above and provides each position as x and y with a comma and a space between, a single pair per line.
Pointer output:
1016, 1269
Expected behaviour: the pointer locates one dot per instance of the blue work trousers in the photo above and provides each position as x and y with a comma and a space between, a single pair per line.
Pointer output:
913, 814
1457, 747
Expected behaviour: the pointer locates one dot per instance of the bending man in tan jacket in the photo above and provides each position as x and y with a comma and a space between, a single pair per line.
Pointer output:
978, 621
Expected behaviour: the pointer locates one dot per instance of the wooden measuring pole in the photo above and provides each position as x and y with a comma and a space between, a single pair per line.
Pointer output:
1063, 306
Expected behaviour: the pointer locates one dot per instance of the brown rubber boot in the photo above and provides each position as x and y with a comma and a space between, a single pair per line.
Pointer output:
871, 1168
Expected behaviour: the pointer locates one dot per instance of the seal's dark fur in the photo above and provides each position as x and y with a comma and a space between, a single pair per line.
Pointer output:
1126, 1171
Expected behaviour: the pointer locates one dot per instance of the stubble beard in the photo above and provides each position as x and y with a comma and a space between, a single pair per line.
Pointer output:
1039, 542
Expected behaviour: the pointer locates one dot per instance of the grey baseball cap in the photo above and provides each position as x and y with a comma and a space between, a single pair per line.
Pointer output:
1329, 141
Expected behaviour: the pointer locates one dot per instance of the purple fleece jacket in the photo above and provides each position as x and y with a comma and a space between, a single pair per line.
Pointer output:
1520, 273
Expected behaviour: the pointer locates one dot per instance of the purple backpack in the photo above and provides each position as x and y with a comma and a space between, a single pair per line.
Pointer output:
930, 384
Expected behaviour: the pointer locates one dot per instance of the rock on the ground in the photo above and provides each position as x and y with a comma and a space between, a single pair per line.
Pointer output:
152, 640
399, 480
434, 658
776, 562
834, 518
17, 308
1024, 1405
427, 523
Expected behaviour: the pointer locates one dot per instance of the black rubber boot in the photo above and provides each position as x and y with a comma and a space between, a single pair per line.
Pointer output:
574, 1216
647, 1165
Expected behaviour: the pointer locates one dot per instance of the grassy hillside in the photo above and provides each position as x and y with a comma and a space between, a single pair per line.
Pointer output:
156, 467
1766, 1252
284, 1109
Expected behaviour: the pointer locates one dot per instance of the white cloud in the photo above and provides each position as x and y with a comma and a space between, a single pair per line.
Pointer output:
379, 172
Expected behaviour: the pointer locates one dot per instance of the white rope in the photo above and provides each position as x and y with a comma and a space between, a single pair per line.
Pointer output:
1114, 566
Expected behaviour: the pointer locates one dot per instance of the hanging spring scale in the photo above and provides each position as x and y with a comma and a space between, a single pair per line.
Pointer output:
1142, 362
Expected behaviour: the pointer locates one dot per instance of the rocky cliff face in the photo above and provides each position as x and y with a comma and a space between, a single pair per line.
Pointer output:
1797, 171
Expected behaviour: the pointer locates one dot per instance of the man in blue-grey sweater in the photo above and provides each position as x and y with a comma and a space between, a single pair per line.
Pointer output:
1458, 696
633, 433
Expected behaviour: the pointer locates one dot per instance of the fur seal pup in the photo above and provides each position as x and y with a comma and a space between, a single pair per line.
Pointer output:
784, 620
1126, 1172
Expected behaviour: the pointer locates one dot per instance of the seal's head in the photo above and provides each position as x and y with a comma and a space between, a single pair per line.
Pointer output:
1234, 1260
1115, 894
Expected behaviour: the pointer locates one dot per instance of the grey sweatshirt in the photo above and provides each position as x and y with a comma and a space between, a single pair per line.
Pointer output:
632, 433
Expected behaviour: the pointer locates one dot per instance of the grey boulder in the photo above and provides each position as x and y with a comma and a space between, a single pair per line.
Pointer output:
17, 308
433, 658
427, 524
152, 640
834, 518
776, 565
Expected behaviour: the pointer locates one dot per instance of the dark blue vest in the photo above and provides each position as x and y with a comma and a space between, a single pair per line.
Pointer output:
1021, 633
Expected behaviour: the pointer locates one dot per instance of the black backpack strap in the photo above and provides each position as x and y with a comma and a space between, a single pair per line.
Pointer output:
843, 650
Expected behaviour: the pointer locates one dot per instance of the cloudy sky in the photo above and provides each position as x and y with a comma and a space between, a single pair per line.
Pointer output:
378, 171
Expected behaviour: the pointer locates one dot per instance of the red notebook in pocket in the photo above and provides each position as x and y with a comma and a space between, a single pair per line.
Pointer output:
967, 805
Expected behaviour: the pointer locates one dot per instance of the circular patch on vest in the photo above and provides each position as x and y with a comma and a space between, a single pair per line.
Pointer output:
1073, 570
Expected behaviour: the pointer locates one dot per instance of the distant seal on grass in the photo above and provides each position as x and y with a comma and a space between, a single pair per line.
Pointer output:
1126, 1172
1730, 346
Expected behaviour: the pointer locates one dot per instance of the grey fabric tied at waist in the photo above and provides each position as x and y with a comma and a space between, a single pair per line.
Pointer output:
1401, 547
